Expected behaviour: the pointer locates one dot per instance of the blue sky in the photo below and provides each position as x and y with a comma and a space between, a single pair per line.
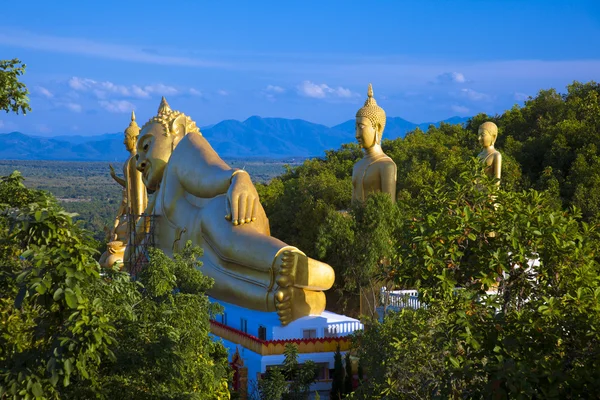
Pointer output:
90, 63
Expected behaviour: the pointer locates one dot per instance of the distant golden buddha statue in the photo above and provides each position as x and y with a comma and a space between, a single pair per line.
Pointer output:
198, 197
375, 172
489, 156
133, 202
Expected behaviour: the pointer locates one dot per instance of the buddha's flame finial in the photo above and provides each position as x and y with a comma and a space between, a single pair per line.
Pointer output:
133, 130
371, 110
164, 108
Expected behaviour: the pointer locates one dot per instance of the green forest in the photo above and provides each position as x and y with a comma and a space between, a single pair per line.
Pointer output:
539, 336
69, 331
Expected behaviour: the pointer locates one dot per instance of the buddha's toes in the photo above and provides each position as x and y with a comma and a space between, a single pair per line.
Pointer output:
293, 303
296, 269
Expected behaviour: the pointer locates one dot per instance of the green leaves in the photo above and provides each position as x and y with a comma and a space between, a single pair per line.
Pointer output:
71, 298
537, 337
52, 318
13, 94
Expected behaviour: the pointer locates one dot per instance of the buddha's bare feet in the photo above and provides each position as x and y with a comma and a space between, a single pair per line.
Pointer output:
296, 269
293, 303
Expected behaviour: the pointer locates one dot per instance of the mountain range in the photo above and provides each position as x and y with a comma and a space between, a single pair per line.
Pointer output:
254, 137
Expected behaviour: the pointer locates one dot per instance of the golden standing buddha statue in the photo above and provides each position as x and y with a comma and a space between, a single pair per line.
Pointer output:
133, 203
198, 197
375, 172
489, 156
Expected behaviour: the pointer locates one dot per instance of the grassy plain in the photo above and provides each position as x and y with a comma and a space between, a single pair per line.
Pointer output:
86, 188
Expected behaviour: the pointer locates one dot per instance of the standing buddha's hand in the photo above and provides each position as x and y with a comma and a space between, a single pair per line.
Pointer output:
242, 199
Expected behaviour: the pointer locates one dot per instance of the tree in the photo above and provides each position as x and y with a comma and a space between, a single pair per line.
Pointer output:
536, 338
362, 244
52, 329
290, 381
69, 331
348, 387
13, 94
337, 383
361, 372
163, 345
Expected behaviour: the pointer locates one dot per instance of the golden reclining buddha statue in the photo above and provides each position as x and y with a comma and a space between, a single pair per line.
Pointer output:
196, 196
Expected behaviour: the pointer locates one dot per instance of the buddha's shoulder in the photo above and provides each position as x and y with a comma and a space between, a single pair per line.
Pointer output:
495, 156
386, 162
190, 141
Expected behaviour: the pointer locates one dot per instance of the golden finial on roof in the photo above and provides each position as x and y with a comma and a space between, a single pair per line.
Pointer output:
371, 110
164, 108
133, 129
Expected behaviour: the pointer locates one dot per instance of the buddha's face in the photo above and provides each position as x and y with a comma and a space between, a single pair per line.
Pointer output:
153, 152
365, 132
129, 143
486, 139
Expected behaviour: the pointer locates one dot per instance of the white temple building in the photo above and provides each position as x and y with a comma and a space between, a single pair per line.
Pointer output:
256, 341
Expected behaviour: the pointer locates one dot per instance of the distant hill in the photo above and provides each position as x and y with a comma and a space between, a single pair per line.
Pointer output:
396, 127
255, 137
273, 137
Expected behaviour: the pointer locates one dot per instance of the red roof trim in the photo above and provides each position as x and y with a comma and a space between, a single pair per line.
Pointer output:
267, 342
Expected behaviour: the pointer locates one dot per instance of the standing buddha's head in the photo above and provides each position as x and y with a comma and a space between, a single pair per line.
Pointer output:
488, 132
370, 122
131, 134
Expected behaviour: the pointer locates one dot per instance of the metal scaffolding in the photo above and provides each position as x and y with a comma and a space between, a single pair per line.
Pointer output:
140, 230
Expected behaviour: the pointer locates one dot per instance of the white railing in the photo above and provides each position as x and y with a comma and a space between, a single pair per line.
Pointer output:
400, 298
337, 329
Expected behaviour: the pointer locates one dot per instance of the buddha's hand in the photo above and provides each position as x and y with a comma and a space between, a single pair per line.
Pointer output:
242, 199
112, 171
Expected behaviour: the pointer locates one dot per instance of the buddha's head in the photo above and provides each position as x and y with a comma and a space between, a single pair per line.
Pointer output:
488, 132
131, 134
158, 138
370, 122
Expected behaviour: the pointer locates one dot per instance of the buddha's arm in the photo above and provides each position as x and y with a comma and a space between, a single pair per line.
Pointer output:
120, 181
199, 168
498, 167
136, 190
388, 179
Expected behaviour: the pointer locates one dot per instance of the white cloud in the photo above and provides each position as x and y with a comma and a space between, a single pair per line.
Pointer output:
450, 77
274, 89
320, 91
271, 92
117, 106
195, 92
80, 46
106, 89
521, 96
161, 89
99, 89
222, 92
460, 109
474, 96
74, 107
44, 92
